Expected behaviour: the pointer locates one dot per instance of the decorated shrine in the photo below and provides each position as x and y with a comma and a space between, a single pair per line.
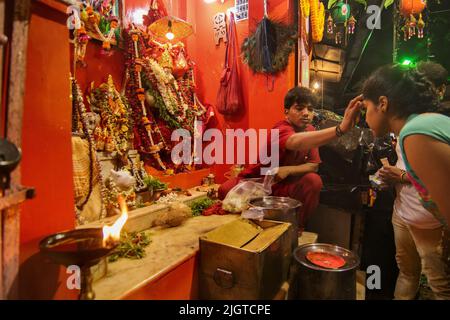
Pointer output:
222, 150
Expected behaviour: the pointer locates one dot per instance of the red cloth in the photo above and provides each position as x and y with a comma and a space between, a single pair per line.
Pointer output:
305, 189
215, 209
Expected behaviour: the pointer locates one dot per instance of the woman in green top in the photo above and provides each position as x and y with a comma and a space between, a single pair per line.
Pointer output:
404, 102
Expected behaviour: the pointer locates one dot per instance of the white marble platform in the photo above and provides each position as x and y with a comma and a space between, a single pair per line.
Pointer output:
168, 249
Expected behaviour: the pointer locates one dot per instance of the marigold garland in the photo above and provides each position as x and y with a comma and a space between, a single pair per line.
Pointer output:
317, 20
305, 8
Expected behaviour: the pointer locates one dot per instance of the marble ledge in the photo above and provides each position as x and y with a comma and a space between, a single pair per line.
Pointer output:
168, 249
142, 219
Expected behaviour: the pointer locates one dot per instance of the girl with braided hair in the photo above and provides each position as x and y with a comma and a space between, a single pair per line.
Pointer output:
403, 101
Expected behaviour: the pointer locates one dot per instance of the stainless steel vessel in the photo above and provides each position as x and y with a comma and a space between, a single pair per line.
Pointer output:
320, 283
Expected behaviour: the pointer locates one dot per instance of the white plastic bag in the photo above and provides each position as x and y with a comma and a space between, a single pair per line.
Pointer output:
253, 214
237, 198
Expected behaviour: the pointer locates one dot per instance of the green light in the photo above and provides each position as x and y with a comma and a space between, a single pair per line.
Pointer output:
407, 62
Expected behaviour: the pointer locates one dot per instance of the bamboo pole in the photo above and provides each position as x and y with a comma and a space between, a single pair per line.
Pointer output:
3, 41
10, 218
19, 44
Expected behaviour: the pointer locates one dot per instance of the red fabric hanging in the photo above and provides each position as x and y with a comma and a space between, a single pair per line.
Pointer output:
229, 97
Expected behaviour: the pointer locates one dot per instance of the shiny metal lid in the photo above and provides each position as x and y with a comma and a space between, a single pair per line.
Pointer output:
351, 259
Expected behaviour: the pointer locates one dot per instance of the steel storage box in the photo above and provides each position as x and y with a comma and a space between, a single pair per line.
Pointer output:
245, 260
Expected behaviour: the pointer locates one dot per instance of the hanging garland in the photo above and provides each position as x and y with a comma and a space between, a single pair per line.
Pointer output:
144, 128
159, 105
102, 23
80, 42
305, 8
317, 20
168, 88
80, 125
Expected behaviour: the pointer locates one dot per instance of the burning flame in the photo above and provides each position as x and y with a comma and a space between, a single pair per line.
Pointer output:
112, 233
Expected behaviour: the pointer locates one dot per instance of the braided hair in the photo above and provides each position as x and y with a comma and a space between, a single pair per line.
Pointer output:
407, 89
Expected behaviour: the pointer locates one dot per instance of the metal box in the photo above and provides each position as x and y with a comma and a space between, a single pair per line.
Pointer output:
245, 260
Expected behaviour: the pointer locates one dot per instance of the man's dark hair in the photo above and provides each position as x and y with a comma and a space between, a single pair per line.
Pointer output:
434, 72
300, 96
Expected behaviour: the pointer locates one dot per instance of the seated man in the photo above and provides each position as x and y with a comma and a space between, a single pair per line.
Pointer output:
296, 177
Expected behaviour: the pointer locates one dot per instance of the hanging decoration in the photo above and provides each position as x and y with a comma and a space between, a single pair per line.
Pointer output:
81, 128
317, 20
220, 28
340, 20
106, 45
420, 27
341, 12
267, 50
171, 29
409, 9
80, 42
102, 22
351, 24
330, 24
305, 8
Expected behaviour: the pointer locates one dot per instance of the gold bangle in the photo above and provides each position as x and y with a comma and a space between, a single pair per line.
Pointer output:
339, 132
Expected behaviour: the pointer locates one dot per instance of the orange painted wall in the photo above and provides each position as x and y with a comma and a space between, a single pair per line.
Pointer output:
266, 107
46, 146
262, 108
47, 152
99, 67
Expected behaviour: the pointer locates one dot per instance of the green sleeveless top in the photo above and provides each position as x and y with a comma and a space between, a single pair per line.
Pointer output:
434, 125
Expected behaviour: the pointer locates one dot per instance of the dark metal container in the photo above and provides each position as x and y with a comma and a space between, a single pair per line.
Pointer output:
319, 283
230, 272
279, 209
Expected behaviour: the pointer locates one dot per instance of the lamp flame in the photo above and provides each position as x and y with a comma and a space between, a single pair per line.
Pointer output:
112, 233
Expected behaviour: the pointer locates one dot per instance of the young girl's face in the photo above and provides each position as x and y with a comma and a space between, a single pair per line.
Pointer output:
376, 116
